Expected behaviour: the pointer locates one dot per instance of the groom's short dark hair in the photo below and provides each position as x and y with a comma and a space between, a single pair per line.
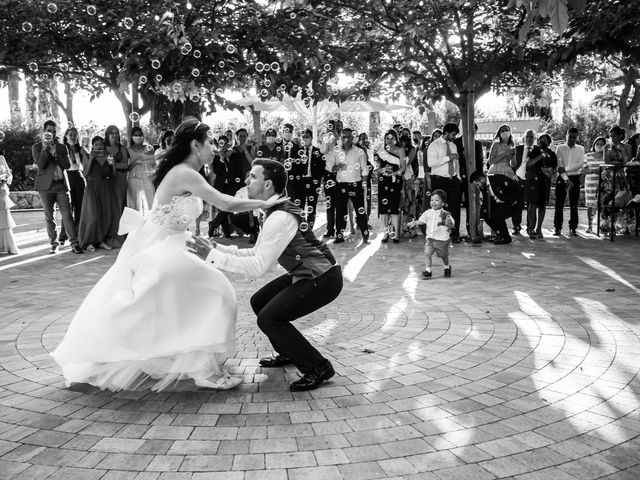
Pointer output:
273, 171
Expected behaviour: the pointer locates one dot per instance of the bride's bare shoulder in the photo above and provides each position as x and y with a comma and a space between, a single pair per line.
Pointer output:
174, 182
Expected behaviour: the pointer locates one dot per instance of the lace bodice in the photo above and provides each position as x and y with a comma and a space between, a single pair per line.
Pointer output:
178, 214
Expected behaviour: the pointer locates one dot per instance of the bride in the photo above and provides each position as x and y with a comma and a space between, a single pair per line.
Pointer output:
159, 312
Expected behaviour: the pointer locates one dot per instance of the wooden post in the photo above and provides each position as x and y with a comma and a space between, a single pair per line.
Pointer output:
470, 150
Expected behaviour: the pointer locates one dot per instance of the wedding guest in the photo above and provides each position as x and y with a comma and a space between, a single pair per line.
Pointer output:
270, 149
616, 153
391, 165
349, 183
7, 224
502, 153
120, 156
519, 165
499, 195
443, 159
571, 160
541, 166
142, 165
595, 159
100, 206
230, 170
311, 171
330, 140
165, 142
77, 157
408, 197
364, 144
51, 184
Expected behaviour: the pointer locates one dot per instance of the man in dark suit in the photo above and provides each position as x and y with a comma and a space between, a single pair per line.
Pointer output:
499, 197
230, 168
307, 174
520, 169
52, 186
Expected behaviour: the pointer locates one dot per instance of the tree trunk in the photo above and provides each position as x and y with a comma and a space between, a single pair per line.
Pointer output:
32, 103
257, 128
374, 124
467, 111
68, 102
13, 82
135, 100
126, 109
431, 119
629, 100
52, 97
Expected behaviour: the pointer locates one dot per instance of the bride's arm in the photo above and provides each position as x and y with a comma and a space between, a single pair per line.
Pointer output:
192, 181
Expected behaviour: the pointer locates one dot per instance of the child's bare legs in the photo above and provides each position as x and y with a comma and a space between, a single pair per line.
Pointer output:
590, 219
385, 226
395, 220
445, 261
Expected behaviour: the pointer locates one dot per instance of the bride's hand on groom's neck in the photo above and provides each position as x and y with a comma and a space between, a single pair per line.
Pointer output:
200, 246
275, 201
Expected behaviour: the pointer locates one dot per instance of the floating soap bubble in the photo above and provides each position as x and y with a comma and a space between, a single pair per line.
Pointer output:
292, 15
275, 66
89, 74
149, 148
221, 64
155, 64
158, 78
197, 53
176, 87
219, 92
267, 67
361, 211
91, 10
195, 72
264, 92
33, 66
127, 22
231, 73
142, 79
385, 201
58, 76
52, 8
287, 166
64, 67
267, 83
231, 49
326, 67
259, 66
27, 27
304, 226
134, 117
195, 97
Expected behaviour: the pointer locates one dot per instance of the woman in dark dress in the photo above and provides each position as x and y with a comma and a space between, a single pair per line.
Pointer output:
121, 163
541, 164
391, 165
100, 207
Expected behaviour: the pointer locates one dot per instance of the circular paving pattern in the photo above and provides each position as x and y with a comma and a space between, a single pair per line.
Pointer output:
514, 368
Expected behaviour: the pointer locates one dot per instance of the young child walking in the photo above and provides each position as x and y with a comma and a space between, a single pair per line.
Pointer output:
438, 224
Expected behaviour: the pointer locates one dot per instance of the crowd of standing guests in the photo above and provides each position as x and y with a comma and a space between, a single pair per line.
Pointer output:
91, 184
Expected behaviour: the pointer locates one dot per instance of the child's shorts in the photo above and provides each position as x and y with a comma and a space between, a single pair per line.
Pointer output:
440, 247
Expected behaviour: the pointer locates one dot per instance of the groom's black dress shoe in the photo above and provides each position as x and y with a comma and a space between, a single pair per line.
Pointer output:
277, 361
312, 380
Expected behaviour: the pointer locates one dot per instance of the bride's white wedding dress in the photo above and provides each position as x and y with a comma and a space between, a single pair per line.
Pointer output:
159, 312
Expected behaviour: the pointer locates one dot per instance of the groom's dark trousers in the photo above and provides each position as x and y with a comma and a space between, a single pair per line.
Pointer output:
282, 301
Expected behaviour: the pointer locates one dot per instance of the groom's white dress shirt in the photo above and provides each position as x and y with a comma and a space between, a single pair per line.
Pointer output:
277, 231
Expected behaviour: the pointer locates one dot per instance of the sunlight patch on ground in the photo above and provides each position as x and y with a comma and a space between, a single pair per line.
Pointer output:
608, 271
352, 268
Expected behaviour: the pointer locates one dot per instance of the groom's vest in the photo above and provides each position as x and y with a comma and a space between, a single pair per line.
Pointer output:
305, 256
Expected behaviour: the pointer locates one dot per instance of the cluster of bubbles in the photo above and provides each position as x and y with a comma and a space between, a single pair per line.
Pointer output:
266, 67
186, 48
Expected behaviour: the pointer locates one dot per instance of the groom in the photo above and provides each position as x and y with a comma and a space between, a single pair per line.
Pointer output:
313, 278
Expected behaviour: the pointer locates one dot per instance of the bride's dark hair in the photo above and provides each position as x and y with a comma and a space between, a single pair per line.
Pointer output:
190, 129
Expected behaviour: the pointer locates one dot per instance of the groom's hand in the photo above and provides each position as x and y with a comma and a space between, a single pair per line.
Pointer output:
200, 246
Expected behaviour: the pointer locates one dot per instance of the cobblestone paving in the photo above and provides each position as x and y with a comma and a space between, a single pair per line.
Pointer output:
523, 365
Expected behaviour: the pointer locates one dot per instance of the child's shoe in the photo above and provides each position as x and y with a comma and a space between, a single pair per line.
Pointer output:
426, 275
447, 271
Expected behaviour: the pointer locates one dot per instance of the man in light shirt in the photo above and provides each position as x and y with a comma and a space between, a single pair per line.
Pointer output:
313, 278
519, 166
349, 162
444, 161
571, 161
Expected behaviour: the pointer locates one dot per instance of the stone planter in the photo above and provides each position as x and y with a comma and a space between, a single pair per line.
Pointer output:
25, 200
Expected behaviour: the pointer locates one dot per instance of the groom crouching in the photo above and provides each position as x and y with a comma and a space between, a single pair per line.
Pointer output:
313, 278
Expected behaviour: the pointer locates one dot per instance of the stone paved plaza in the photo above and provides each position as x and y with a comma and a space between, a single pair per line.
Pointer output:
523, 365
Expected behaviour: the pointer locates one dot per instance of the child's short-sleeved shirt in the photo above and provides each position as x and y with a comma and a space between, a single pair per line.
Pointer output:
432, 218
